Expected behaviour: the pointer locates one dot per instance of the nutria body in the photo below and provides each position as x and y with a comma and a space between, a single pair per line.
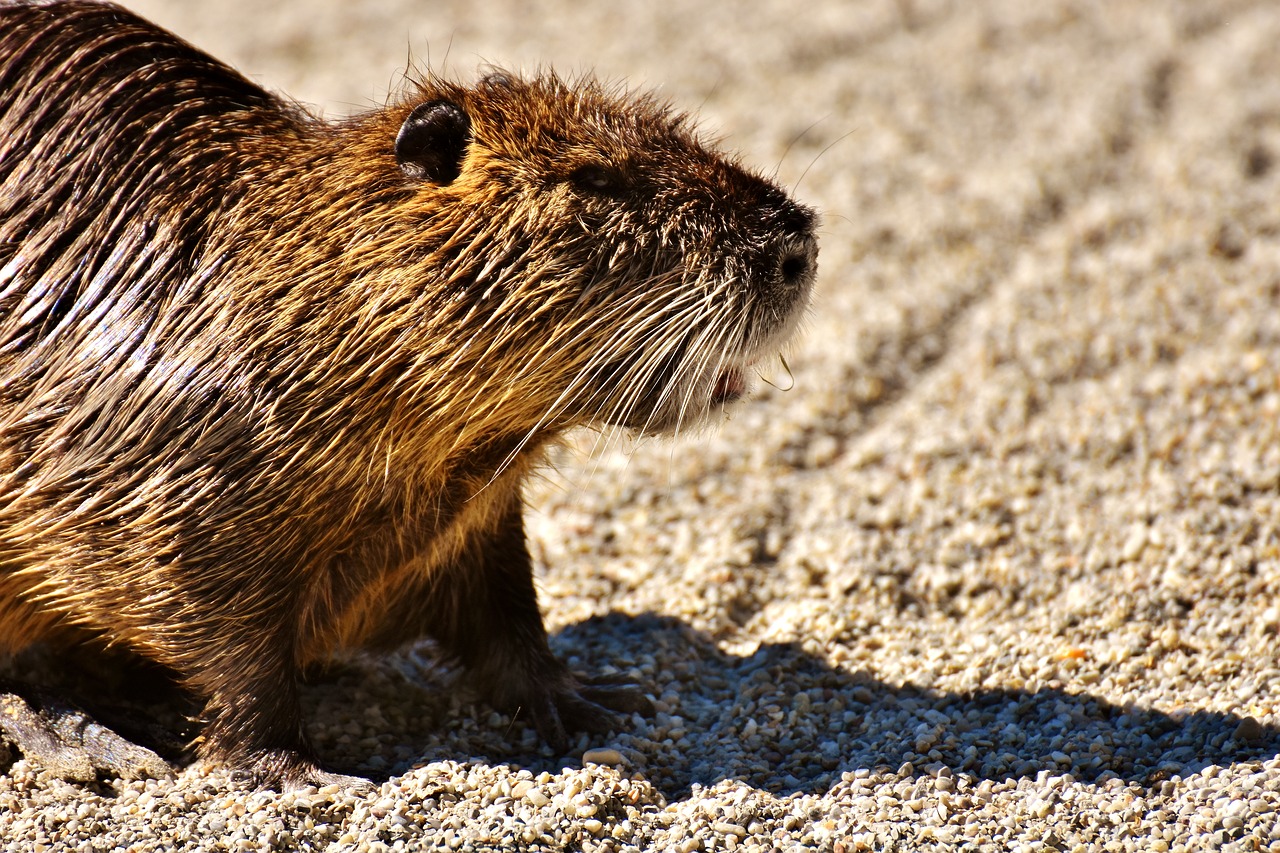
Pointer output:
269, 385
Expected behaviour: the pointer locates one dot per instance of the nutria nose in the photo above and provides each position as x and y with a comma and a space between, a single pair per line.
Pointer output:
797, 259
797, 262
797, 249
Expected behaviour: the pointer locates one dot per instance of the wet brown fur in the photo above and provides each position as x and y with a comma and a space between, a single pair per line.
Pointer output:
263, 396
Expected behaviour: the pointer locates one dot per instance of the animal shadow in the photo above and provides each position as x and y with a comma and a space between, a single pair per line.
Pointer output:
834, 721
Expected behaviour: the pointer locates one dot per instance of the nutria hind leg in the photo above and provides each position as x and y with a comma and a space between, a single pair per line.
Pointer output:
81, 711
67, 742
487, 615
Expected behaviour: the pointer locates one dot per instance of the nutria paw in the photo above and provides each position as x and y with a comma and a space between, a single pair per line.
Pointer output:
583, 704
285, 770
70, 744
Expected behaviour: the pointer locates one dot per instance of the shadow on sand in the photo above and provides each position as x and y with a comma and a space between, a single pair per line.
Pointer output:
846, 722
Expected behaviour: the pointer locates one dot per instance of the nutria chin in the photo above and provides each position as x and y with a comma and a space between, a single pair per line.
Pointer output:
270, 385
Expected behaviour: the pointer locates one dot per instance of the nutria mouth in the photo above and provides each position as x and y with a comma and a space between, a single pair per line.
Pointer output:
730, 385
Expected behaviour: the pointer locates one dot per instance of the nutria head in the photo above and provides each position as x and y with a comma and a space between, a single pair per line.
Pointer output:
616, 269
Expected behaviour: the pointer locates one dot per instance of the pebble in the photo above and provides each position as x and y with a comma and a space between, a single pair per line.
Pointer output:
603, 756
1249, 731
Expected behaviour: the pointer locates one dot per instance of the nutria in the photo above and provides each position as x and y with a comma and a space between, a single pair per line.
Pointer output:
270, 384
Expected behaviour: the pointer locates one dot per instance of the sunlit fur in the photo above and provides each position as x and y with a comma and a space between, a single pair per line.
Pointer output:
262, 396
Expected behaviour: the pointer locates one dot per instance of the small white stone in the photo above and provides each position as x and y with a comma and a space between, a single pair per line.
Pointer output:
603, 756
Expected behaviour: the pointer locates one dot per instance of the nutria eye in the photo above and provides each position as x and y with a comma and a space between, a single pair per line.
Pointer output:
597, 180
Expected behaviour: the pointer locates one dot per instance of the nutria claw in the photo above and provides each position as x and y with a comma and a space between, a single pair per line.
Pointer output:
619, 694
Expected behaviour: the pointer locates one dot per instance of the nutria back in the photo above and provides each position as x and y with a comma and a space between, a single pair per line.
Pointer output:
269, 385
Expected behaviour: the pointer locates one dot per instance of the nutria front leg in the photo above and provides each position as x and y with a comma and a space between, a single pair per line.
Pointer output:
487, 615
254, 722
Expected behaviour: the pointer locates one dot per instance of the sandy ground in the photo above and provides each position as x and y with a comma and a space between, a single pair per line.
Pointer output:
1000, 571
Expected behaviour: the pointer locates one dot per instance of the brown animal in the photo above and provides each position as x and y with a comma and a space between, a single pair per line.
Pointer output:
270, 385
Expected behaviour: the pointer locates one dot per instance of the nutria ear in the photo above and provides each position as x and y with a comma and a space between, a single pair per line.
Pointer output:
432, 142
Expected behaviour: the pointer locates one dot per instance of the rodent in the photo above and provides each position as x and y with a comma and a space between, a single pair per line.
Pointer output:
270, 384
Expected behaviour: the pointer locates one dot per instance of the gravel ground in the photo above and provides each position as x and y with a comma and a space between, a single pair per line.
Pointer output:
1001, 571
